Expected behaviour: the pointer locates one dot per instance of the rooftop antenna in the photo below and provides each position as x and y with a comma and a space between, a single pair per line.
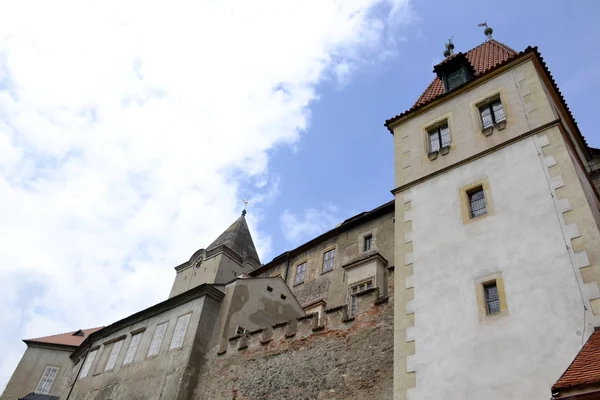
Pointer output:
487, 31
245, 205
449, 48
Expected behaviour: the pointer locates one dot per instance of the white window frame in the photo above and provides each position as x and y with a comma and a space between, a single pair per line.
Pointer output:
134, 343
157, 339
354, 291
439, 133
180, 330
87, 365
330, 262
114, 354
47, 380
300, 273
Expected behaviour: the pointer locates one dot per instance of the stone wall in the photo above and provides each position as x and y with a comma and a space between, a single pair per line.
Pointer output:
344, 358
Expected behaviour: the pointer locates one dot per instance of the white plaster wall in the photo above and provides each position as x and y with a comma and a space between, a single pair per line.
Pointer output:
516, 356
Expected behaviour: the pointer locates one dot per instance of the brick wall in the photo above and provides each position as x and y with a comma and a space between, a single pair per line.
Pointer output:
343, 358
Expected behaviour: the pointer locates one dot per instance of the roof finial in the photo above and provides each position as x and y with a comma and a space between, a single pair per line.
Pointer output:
245, 204
487, 31
449, 48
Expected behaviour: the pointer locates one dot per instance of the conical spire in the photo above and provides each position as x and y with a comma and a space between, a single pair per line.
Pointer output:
238, 238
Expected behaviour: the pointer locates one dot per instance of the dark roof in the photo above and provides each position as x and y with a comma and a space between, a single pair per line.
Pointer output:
585, 368
238, 238
487, 61
65, 339
37, 396
349, 223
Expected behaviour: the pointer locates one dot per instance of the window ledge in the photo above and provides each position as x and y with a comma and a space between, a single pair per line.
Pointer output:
432, 155
488, 131
445, 150
326, 272
298, 284
500, 125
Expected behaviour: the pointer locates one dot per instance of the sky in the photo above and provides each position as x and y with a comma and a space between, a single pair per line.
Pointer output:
130, 131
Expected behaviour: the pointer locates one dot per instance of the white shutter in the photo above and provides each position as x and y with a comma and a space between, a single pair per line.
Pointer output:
114, 353
47, 380
180, 329
132, 349
88, 363
159, 334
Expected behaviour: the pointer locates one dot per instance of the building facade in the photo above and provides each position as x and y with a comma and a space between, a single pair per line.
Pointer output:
478, 280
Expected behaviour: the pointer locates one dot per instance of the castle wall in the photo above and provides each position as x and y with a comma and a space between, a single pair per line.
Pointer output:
460, 353
169, 375
27, 375
332, 286
254, 303
343, 358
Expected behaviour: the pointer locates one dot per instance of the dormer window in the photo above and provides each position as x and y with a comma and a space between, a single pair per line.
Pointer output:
455, 78
454, 71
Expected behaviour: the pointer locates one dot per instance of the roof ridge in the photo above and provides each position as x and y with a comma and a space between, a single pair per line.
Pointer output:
508, 48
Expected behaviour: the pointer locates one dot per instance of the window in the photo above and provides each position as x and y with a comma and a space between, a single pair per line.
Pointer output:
492, 299
180, 329
328, 260
88, 363
438, 135
240, 330
455, 78
491, 113
368, 243
300, 272
477, 203
47, 380
159, 334
132, 349
114, 353
354, 290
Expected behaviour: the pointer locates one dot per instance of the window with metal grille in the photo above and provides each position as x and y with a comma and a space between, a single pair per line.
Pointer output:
180, 329
157, 339
492, 300
368, 243
477, 203
300, 272
132, 349
88, 363
328, 258
491, 113
47, 380
356, 289
439, 137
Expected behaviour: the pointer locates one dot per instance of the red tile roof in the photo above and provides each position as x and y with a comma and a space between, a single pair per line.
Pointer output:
585, 368
65, 339
483, 58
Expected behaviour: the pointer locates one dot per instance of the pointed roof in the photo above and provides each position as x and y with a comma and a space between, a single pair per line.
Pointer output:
482, 58
74, 338
585, 368
238, 238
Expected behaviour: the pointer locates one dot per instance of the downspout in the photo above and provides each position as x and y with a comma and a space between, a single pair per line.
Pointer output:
76, 378
287, 267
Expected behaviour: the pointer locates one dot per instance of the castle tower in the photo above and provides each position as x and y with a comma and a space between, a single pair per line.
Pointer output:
497, 239
231, 254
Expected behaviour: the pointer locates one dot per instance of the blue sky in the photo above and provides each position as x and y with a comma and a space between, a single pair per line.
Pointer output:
346, 156
126, 147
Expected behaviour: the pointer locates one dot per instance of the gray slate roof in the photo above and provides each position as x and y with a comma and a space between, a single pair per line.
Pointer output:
237, 237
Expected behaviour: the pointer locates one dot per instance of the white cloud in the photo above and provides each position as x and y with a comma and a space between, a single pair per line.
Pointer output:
129, 131
311, 223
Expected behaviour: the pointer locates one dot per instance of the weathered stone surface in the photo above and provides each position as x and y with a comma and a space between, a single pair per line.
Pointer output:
352, 360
